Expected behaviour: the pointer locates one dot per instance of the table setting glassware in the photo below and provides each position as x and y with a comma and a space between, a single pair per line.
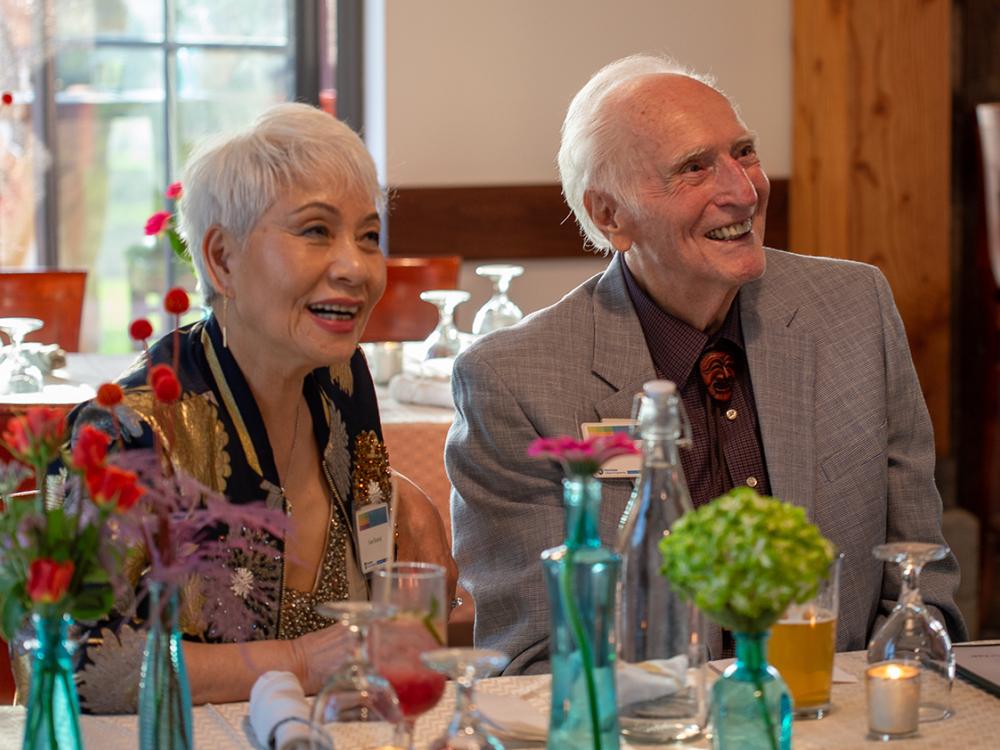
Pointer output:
465, 666
18, 374
913, 634
416, 592
892, 690
445, 340
499, 311
356, 692
802, 645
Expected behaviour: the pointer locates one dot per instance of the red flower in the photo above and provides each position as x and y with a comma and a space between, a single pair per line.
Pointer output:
164, 383
583, 457
176, 301
174, 191
36, 437
111, 485
157, 222
48, 580
7, 98
140, 330
91, 449
109, 394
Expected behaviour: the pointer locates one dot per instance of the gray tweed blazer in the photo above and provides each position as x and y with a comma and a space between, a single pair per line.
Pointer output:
845, 430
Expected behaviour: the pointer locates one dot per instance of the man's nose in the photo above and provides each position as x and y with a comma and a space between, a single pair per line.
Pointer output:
735, 185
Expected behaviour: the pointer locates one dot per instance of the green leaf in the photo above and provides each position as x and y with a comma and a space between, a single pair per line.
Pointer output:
178, 246
92, 603
12, 615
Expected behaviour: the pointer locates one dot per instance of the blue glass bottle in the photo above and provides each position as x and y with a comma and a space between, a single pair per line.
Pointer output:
751, 706
164, 693
581, 578
53, 721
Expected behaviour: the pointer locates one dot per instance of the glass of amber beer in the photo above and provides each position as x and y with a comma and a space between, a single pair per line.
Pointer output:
802, 644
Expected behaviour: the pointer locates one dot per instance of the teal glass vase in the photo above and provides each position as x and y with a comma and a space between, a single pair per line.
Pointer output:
581, 578
164, 694
751, 705
53, 707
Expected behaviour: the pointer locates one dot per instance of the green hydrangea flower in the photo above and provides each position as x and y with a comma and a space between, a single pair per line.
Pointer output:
743, 558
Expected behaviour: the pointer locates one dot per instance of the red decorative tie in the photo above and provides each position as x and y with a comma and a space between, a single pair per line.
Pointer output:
718, 373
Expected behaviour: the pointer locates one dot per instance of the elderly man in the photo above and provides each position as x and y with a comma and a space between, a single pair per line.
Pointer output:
825, 410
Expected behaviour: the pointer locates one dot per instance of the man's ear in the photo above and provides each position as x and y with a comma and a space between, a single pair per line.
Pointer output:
217, 249
609, 217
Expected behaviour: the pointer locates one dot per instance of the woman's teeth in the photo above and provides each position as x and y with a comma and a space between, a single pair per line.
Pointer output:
334, 312
732, 232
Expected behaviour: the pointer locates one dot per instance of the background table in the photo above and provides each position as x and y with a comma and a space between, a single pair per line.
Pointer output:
975, 725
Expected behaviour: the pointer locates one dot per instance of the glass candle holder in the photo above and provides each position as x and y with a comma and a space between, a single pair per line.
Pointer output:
893, 691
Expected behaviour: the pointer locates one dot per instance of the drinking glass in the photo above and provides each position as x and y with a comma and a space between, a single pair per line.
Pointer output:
913, 634
17, 373
465, 666
417, 593
445, 340
356, 692
802, 644
499, 311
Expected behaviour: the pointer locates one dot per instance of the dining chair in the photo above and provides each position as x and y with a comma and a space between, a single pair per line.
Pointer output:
401, 315
53, 296
988, 125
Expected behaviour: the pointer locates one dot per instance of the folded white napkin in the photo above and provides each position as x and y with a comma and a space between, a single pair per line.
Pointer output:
512, 718
412, 389
277, 697
648, 680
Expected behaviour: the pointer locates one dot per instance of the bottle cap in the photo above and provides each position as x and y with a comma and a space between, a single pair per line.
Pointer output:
659, 388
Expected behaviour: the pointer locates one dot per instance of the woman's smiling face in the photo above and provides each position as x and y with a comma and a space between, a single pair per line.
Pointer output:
306, 279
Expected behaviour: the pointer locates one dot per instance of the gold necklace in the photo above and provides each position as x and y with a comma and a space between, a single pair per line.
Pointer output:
291, 454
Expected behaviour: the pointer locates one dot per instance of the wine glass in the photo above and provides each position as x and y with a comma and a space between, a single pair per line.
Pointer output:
417, 592
499, 311
465, 666
17, 373
356, 692
445, 340
913, 633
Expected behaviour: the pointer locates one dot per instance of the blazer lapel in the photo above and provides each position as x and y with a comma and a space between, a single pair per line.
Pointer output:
621, 356
781, 358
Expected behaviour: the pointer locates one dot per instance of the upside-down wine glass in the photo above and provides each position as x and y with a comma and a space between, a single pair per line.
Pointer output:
499, 311
465, 666
417, 592
356, 693
912, 633
17, 373
444, 340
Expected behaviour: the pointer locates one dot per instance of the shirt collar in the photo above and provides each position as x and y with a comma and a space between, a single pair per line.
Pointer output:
675, 346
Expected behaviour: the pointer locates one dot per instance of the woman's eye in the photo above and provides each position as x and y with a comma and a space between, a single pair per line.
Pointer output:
372, 237
316, 230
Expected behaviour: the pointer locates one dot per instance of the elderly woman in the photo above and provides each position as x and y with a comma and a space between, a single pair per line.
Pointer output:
277, 404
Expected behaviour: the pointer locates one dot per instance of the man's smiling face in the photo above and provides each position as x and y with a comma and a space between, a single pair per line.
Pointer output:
698, 223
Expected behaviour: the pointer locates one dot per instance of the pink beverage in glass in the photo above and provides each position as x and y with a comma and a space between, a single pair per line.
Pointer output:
396, 648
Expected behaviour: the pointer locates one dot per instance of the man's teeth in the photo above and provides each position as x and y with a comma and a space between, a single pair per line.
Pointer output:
731, 232
334, 312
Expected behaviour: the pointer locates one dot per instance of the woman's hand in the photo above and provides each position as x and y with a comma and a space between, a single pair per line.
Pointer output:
319, 654
422, 537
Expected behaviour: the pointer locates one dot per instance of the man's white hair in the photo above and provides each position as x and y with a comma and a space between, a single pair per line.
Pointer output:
595, 151
232, 181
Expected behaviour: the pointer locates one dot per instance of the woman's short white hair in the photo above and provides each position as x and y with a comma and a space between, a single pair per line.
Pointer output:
595, 152
231, 181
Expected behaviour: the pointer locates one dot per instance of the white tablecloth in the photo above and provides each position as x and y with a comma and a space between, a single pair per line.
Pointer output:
975, 726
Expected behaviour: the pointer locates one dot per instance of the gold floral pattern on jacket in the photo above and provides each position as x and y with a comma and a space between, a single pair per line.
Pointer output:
371, 470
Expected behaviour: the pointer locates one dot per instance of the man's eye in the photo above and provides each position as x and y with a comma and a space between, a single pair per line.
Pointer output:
749, 150
691, 167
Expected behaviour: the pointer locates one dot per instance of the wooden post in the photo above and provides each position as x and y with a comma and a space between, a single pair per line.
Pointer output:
871, 160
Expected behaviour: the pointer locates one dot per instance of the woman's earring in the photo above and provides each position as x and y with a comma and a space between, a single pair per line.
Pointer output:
225, 314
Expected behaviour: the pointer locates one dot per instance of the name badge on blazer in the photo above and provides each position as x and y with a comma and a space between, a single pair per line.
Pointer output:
619, 467
374, 535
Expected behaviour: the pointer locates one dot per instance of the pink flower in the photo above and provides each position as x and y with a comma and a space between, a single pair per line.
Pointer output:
174, 191
157, 222
583, 457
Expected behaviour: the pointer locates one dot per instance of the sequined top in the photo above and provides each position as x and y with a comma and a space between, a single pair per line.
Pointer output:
217, 435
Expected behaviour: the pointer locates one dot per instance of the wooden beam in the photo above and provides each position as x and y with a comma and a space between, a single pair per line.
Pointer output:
871, 160
510, 221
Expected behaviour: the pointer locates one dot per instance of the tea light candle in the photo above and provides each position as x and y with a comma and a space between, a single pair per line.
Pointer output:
893, 698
